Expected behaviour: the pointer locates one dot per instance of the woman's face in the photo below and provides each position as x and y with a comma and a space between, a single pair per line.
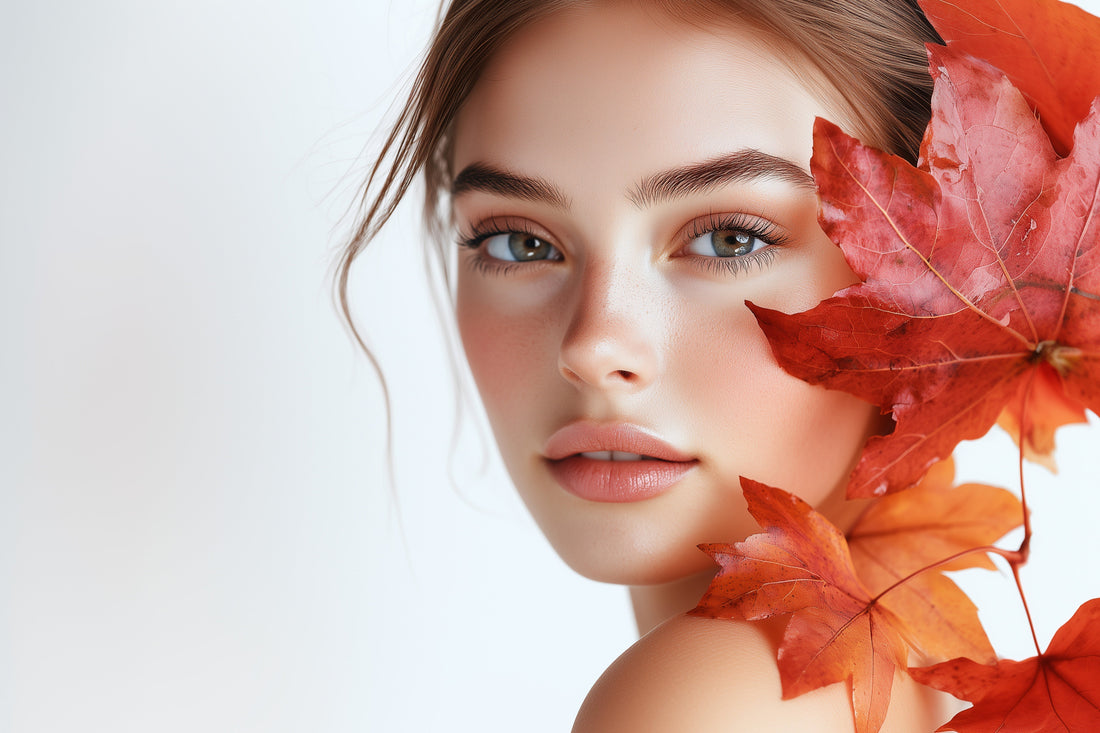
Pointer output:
625, 183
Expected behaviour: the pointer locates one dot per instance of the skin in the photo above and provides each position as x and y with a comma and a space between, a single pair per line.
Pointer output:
631, 321
697, 674
629, 325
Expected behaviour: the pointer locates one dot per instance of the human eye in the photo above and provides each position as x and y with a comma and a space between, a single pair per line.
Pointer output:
504, 244
519, 247
732, 242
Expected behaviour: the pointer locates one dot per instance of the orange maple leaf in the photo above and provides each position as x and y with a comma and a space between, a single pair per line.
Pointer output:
1047, 409
801, 566
905, 533
1055, 692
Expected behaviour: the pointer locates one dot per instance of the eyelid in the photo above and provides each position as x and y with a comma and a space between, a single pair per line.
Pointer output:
475, 237
758, 226
493, 225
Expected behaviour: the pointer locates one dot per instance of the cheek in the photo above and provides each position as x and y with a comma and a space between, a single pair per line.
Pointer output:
485, 352
508, 348
759, 421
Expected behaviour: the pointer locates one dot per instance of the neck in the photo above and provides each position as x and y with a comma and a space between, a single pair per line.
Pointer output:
655, 604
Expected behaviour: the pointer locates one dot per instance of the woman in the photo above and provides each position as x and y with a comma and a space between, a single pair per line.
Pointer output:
623, 176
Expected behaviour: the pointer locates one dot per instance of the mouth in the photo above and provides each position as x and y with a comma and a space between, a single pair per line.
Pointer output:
614, 463
616, 455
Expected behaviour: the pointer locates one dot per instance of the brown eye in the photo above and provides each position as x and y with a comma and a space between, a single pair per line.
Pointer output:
520, 247
726, 243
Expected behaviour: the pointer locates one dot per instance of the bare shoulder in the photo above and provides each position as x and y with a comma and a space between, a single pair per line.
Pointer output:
696, 673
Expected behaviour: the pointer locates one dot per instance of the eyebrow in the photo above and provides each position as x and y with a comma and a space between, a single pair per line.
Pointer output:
736, 167
674, 183
483, 177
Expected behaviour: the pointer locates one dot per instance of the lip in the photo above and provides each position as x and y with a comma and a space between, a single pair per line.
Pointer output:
614, 481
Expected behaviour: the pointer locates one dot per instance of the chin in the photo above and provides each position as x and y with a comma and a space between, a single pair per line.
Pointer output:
623, 553
642, 575
650, 542
640, 570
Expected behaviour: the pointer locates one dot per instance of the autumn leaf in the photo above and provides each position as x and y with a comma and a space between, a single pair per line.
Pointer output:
1048, 408
902, 534
801, 566
1048, 49
977, 271
1058, 690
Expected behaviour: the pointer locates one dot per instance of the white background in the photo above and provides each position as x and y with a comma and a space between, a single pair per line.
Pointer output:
196, 531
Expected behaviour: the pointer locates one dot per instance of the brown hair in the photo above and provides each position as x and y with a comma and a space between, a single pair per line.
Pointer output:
871, 51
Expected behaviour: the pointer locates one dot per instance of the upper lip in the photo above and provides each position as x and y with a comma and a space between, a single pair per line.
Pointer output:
585, 436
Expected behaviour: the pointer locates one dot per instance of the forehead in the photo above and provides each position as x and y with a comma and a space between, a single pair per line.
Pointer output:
605, 94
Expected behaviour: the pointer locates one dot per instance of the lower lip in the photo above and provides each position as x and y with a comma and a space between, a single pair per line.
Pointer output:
617, 481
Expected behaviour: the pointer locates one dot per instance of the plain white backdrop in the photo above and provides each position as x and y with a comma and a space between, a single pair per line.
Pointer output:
196, 530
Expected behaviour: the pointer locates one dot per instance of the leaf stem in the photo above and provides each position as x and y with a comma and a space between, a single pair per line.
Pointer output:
1013, 557
1025, 545
1027, 611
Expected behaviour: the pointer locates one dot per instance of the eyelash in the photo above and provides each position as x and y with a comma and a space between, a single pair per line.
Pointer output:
754, 226
491, 227
762, 229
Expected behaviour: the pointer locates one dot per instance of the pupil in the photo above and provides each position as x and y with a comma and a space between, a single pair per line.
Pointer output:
526, 247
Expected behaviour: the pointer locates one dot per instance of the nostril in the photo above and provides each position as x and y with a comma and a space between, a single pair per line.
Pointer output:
606, 365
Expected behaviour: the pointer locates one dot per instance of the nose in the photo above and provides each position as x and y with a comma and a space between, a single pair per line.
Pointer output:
611, 342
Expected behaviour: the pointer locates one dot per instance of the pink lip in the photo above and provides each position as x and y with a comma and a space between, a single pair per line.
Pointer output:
614, 481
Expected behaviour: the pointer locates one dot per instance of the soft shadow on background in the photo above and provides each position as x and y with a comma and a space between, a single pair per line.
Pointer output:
196, 531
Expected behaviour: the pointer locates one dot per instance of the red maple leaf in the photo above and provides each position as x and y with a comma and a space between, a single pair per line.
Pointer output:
903, 534
1057, 691
1048, 51
801, 566
978, 270
1047, 48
